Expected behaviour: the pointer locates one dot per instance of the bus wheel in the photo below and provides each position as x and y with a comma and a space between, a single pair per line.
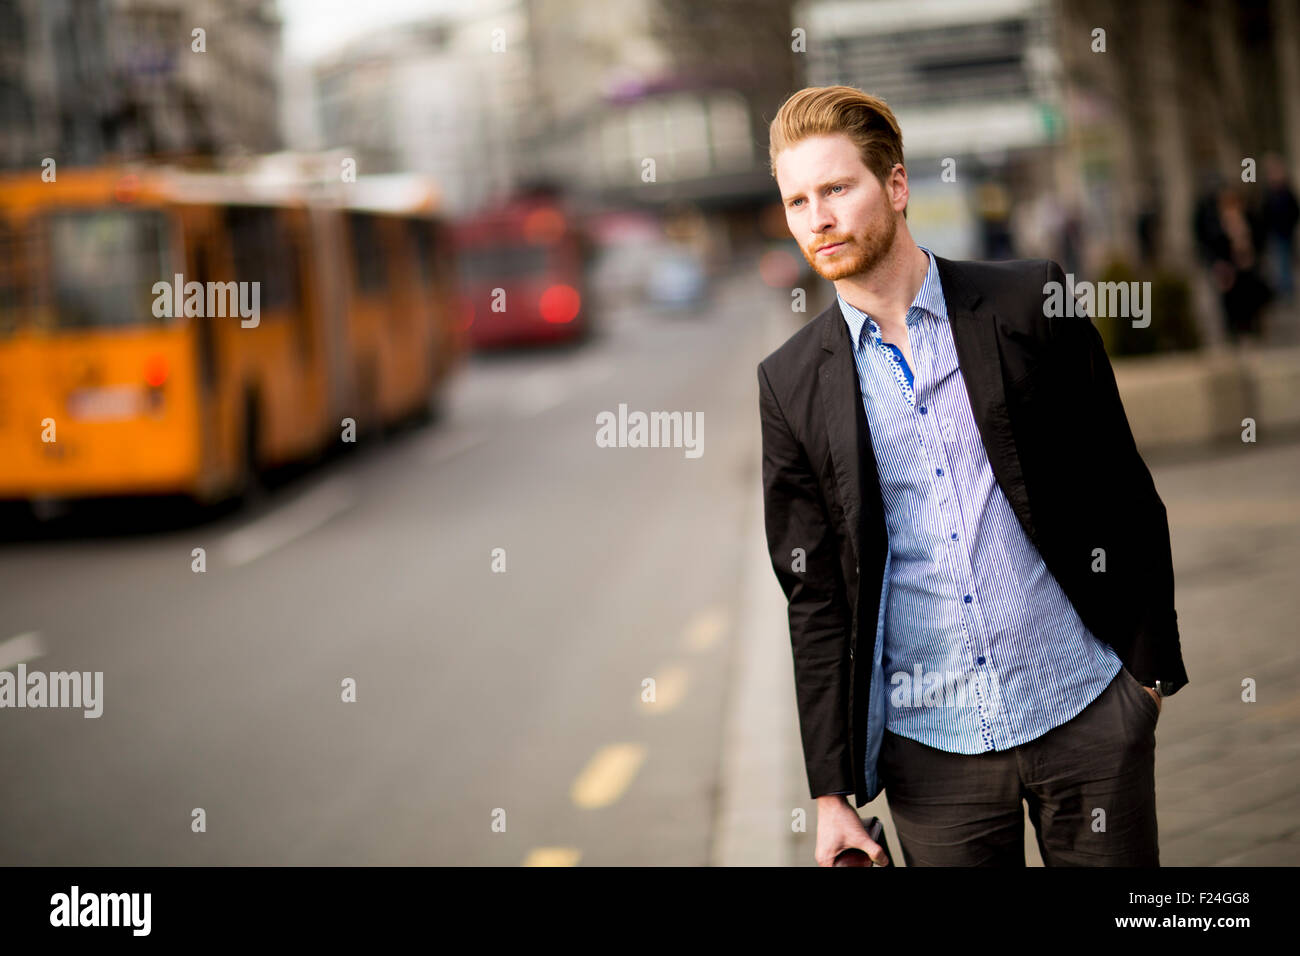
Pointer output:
251, 485
371, 424
430, 410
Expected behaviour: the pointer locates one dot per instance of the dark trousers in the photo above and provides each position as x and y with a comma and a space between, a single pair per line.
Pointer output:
1089, 783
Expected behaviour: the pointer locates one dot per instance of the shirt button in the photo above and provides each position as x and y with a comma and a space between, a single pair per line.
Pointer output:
938, 471
981, 659
922, 409
968, 599
954, 536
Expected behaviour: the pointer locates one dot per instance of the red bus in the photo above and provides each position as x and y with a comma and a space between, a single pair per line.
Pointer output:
523, 274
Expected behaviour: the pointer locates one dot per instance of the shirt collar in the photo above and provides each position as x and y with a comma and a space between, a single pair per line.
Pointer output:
929, 298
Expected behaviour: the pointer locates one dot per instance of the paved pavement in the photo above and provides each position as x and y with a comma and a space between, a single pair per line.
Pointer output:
501, 715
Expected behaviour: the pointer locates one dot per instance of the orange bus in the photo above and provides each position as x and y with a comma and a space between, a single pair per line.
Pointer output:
167, 331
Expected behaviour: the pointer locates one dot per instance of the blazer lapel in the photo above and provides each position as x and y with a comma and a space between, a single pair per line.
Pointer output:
974, 331
847, 431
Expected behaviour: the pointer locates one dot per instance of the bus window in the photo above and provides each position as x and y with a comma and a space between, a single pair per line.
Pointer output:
422, 238
445, 253
305, 315
206, 342
103, 266
263, 253
367, 254
11, 271
488, 263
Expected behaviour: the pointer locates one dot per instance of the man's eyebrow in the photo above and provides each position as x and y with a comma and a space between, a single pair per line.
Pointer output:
829, 182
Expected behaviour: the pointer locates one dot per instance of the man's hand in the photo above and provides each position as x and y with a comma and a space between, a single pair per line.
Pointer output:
1159, 699
838, 828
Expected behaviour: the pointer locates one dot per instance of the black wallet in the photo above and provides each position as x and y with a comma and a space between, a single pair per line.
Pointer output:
855, 857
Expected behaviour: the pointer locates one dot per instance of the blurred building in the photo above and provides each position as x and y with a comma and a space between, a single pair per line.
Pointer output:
686, 85
223, 100
431, 97
1172, 111
1182, 94
569, 93
1101, 133
84, 79
974, 87
55, 92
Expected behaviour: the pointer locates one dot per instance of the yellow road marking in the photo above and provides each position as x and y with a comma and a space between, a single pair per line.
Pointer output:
706, 628
552, 856
607, 775
670, 688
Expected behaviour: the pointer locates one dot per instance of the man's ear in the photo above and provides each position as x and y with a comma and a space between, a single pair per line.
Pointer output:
898, 181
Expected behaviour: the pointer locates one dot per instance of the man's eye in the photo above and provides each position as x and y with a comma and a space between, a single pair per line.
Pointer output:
795, 201
837, 187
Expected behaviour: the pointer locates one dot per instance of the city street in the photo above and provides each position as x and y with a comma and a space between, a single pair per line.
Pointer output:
500, 716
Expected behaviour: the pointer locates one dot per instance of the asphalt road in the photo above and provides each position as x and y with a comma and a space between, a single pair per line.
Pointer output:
499, 716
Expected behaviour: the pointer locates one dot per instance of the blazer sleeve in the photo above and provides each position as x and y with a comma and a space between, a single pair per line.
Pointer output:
804, 555
1158, 629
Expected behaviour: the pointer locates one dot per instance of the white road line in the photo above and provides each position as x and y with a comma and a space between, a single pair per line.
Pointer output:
295, 519
551, 387
441, 451
597, 371
541, 392
22, 648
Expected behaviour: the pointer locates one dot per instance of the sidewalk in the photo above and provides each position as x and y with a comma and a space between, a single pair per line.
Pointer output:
1198, 400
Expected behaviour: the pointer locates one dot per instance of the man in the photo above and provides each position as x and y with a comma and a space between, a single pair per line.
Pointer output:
976, 561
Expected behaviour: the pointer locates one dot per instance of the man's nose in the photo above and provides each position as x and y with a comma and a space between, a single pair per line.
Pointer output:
821, 219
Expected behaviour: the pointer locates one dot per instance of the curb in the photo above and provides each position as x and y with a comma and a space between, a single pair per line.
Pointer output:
761, 728
1201, 399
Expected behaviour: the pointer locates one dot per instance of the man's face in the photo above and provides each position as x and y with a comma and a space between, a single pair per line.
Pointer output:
842, 217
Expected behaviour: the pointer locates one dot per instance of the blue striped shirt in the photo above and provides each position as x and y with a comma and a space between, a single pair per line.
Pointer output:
977, 648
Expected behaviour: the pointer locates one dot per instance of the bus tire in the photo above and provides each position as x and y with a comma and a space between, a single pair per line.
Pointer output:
250, 485
432, 410
371, 423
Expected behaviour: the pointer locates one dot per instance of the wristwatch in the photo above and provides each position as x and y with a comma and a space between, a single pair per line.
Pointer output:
1164, 688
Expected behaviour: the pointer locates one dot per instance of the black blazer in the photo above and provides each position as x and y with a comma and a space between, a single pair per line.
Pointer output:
1044, 399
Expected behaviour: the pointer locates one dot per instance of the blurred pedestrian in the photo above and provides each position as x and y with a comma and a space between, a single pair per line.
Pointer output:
1228, 238
993, 209
1147, 226
1280, 213
1072, 239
